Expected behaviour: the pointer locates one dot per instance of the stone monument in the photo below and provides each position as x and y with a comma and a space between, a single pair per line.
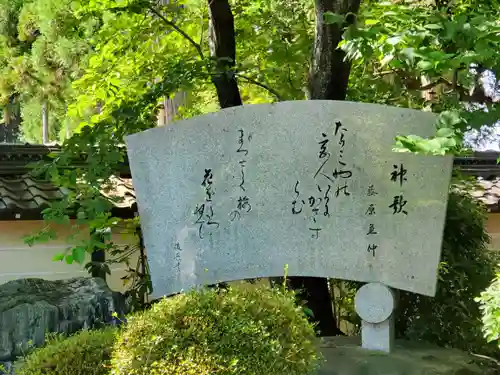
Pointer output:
314, 185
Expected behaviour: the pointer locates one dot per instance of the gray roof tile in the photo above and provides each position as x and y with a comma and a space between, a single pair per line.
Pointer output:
21, 193
488, 192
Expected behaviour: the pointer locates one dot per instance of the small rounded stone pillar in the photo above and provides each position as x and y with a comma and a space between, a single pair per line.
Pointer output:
374, 303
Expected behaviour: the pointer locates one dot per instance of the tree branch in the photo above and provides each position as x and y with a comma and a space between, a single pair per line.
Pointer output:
384, 73
431, 85
289, 69
178, 29
257, 83
476, 96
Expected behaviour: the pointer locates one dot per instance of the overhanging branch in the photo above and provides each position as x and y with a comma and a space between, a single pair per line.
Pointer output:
257, 83
178, 29
411, 83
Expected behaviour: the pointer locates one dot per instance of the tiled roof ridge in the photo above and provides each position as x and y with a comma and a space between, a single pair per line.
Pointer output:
483, 157
16, 158
28, 200
41, 184
484, 190
27, 151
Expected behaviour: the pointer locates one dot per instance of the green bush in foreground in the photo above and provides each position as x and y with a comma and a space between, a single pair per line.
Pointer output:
490, 306
85, 353
251, 331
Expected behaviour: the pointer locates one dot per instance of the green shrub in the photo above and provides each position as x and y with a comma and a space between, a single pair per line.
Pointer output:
452, 318
490, 306
84, 353
251, 331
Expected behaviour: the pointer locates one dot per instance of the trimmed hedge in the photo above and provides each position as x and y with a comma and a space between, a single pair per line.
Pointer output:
85, 353
251, 331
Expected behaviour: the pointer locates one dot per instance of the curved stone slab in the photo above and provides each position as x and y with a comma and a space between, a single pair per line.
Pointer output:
314, 185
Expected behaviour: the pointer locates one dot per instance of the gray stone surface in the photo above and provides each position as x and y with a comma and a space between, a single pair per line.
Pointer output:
6, 368
10, 368
375, 304
30, 308
378, 336
277, 150
344, 357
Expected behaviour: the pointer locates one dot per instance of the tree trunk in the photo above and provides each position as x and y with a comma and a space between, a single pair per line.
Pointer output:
329, 73
328, 79
6, 114
315, 291
11, 121
98, 258
170, 108
45, 123
223, 49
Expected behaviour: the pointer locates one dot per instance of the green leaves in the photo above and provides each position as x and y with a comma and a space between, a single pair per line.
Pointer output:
438, 145
424, 65
489, 301
445, 132
78, 254
308, 312
333, 18
47, 47
451, 318
45, 235
415, 56
450, 119
433, 26
58, 257
448, 138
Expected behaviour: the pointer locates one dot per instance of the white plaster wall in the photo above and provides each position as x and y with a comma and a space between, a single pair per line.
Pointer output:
493, 228
18, 260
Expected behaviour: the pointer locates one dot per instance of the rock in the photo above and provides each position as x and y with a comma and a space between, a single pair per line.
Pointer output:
344, 356
6, 368
10, 368
30, 308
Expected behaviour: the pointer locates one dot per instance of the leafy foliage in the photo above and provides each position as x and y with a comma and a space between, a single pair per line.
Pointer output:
252, 330
31, 113
490, 307
85, 353
416, 55
46, 50
138, 59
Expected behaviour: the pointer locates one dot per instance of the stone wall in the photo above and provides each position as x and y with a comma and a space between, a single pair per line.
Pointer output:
31, 308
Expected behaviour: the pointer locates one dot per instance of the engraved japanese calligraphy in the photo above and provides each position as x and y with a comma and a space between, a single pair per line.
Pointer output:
239, 193
243, 204
371, 233
204, 212
398, 175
